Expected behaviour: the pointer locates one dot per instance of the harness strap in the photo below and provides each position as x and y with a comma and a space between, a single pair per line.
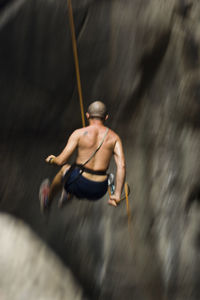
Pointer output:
93, 154
94, 172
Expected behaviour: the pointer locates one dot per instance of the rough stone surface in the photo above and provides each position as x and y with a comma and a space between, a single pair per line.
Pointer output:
28, 269
141, 58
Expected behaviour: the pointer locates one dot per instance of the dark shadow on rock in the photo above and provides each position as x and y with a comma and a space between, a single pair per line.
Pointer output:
190, 51
148, 66
194, 196
189, 112
183, 8
81, 22
4, 3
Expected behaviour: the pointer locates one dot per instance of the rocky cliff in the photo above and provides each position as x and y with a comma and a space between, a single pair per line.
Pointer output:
142, 59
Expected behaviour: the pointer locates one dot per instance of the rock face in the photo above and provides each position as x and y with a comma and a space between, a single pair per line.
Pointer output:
29, 270
141, 58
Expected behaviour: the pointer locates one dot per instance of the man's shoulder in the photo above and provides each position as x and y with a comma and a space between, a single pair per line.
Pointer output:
76, 133
79, 131
114, 134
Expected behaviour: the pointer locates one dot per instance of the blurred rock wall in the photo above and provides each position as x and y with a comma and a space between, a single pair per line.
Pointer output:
142, 59
29, 270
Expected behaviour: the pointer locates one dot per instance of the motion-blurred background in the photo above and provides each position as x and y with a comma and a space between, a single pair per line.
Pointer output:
142, 59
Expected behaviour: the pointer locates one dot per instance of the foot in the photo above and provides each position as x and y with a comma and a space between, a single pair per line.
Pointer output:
43, 195
64, 198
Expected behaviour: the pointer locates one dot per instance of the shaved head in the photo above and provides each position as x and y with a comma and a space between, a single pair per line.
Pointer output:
97, 109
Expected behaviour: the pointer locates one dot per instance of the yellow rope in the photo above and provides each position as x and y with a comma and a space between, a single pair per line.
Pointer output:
109, 191
74, 46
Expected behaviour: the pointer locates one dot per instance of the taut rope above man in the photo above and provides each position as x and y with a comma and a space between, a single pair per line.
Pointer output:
87, 177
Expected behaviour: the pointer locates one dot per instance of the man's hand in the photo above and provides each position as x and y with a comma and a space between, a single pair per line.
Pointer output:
114, 200
50, 159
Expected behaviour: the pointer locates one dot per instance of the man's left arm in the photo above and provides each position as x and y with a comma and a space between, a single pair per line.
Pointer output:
67, 151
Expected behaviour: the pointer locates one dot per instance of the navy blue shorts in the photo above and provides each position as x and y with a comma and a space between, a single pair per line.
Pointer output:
82, 187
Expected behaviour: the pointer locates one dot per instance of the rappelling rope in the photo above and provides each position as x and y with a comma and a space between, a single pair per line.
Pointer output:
78, 78
76, 61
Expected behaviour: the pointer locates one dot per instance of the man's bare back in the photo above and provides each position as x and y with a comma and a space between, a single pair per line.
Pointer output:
89, 140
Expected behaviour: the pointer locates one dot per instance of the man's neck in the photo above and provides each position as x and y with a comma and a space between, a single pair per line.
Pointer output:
96, 122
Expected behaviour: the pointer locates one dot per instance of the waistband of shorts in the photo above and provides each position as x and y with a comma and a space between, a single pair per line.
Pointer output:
90, 171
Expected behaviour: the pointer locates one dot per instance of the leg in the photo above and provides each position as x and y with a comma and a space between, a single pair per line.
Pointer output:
48, 192
56, 184
65, 196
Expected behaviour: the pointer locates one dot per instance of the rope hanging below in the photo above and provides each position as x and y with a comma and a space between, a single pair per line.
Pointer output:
76, 61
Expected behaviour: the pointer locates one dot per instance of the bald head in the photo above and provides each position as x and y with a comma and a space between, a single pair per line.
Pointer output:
97, 109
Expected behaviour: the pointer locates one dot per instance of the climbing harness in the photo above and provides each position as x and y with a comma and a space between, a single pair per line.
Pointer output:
77, 69
111, 184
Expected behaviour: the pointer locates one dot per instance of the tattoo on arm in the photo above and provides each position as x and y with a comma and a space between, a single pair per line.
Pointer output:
85, 133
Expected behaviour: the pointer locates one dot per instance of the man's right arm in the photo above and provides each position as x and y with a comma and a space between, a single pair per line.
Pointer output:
121, 170
67, 151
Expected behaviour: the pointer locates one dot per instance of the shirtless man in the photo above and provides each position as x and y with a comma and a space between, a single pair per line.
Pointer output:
89, 181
